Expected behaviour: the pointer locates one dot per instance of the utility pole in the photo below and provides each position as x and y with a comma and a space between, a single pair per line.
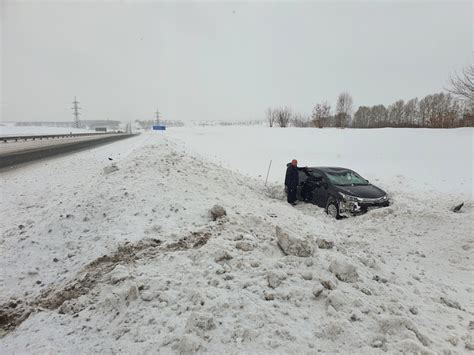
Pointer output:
157, 116
76, 108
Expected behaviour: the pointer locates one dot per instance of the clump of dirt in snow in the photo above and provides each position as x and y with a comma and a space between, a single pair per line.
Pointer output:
217, 212
274, 279
292, 245
344, 271
450, 303
12, 314
324, 244
244, 246
328, 284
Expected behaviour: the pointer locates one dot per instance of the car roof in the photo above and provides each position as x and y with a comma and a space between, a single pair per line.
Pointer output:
329, 169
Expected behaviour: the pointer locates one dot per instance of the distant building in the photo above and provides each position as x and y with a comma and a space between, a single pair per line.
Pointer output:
110, 125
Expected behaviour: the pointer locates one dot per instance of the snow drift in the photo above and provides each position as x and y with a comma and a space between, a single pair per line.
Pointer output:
133, 261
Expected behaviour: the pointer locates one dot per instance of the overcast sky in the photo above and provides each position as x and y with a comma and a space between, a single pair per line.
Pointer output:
223, 61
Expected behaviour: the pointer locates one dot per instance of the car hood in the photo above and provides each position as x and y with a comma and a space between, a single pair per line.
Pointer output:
363, 191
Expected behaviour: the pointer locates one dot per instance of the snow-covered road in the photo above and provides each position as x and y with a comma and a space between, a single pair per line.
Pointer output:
174, 280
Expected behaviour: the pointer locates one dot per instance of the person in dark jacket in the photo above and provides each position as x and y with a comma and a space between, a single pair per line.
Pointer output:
291, 181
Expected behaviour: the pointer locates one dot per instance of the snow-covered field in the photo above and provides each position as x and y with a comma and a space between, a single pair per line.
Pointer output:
437, 160
126, 258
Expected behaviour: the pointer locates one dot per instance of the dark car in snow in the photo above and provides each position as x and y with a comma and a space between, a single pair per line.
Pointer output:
341, 191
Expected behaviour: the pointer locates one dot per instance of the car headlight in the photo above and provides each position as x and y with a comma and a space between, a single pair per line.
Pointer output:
349, 198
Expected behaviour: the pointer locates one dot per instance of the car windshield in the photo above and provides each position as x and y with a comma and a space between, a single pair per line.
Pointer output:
345, 178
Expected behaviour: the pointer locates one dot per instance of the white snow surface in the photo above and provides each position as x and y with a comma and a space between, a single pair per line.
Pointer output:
174, 280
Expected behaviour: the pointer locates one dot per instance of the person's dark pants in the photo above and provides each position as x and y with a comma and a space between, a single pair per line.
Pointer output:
291, 195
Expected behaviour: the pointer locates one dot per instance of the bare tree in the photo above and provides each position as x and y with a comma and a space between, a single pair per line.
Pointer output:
411, 112
439, 111
343, 109
321, 113
424, 107
462, 85
271, 117
362, 117
467, 113
396, 113
300, 120
378, 116
283, 116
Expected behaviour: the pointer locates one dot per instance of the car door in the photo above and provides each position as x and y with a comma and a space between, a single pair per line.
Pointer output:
301, 182
320, 191
308, 183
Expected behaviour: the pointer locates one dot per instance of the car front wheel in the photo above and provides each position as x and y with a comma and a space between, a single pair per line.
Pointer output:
332, 209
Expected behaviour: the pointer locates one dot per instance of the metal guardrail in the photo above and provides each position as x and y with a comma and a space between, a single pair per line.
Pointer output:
5, 139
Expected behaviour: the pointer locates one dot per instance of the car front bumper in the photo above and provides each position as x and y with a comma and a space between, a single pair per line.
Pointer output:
347, 208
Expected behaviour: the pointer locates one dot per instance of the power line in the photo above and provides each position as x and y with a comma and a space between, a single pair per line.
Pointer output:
76, 108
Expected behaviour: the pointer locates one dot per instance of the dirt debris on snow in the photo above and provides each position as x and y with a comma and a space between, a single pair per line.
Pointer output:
113, 266
324, 244
450, 303
217, 212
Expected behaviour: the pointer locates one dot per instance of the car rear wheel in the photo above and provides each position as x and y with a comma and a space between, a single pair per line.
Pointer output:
332, 209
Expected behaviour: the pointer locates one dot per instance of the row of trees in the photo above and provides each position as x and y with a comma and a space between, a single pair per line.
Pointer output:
441, 110
321, 116
279, 117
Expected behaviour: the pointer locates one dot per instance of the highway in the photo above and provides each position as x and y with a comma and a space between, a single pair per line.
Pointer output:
18, 152
19, 146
